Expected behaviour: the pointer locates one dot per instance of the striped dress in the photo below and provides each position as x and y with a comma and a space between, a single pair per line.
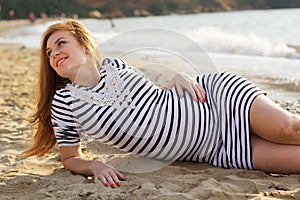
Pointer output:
127, 111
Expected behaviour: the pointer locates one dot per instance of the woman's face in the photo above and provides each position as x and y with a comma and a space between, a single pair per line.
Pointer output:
66, 54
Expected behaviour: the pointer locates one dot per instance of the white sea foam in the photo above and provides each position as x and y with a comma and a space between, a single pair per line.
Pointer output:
215, 40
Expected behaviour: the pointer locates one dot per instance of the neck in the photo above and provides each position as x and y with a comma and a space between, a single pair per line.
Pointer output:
87, 77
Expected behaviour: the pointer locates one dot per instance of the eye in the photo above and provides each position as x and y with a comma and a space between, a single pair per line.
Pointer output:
48, 53
61, 43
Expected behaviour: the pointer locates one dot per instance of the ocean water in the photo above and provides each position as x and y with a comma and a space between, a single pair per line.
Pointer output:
251, 43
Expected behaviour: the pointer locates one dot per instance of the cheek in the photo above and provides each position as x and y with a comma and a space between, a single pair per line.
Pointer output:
51, 62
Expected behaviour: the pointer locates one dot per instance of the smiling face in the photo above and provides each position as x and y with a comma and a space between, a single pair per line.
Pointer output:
66, 54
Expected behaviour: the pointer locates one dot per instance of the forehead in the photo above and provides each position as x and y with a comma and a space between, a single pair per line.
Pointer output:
54, 37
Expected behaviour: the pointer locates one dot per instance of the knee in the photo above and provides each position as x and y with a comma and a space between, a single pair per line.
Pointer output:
296, 124
291, 127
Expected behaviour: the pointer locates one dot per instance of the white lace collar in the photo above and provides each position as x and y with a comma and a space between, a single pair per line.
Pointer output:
113, 94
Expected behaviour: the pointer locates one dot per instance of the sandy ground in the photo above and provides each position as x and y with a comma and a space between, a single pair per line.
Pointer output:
45, 178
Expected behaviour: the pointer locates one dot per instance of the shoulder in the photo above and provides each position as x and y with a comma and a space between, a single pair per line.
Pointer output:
116, 62
62, 96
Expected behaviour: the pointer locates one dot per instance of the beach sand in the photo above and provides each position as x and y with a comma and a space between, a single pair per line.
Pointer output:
45, 177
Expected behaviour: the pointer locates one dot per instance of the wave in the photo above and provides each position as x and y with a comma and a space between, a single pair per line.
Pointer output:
211, 38
275, 82
215, 40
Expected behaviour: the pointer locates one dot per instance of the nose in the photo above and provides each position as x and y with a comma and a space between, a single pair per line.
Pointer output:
55, 52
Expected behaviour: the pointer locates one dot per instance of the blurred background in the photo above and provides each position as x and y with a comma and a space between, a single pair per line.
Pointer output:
17, 9
258, 39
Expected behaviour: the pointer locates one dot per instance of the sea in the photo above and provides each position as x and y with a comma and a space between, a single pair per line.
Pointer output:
254, 43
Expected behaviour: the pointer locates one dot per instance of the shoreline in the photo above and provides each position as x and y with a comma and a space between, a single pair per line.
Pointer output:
6, 25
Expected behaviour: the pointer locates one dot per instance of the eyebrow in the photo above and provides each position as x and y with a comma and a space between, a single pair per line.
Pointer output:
56, 41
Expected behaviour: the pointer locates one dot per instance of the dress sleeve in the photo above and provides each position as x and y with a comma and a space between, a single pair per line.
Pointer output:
65, 126
117, 63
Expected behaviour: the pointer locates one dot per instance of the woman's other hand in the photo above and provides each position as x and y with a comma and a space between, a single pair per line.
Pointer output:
108, 175
183, 81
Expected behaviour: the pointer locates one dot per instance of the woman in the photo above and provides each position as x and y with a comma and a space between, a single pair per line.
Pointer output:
234, 126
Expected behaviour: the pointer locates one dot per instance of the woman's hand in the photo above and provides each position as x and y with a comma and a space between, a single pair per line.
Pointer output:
71, 157
106, 174
183, 81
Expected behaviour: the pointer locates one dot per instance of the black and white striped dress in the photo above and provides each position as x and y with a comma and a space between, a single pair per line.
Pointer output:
127, 111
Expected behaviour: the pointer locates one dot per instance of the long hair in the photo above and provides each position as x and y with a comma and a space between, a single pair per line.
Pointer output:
49, 81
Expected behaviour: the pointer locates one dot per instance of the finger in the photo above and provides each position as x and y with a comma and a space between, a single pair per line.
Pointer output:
179, 90
102, 179
191, 90
120, 175
203, 92
203, 95
200, 92
115, 177
111, 180
196, 91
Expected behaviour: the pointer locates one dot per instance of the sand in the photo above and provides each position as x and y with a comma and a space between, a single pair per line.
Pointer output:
45, 177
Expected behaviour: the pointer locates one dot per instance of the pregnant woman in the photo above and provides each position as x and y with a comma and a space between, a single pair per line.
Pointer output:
221, 118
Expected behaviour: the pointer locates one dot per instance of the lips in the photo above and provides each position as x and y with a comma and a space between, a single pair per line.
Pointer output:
60, 61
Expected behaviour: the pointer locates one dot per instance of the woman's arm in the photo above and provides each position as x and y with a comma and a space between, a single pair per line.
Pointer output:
183, 81
71, 157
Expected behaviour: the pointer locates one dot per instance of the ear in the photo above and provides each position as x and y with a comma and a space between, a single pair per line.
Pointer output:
87, 51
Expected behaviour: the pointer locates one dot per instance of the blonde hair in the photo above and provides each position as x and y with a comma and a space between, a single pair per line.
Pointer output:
49, 81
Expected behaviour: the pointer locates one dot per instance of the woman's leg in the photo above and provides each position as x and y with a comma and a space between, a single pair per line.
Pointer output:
272, 123
273, 157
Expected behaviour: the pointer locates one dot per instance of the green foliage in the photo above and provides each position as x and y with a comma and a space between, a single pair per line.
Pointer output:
50, 7
172, 5
54, 8
127, 9
283, 3
253, 3
157, 8
222, 3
